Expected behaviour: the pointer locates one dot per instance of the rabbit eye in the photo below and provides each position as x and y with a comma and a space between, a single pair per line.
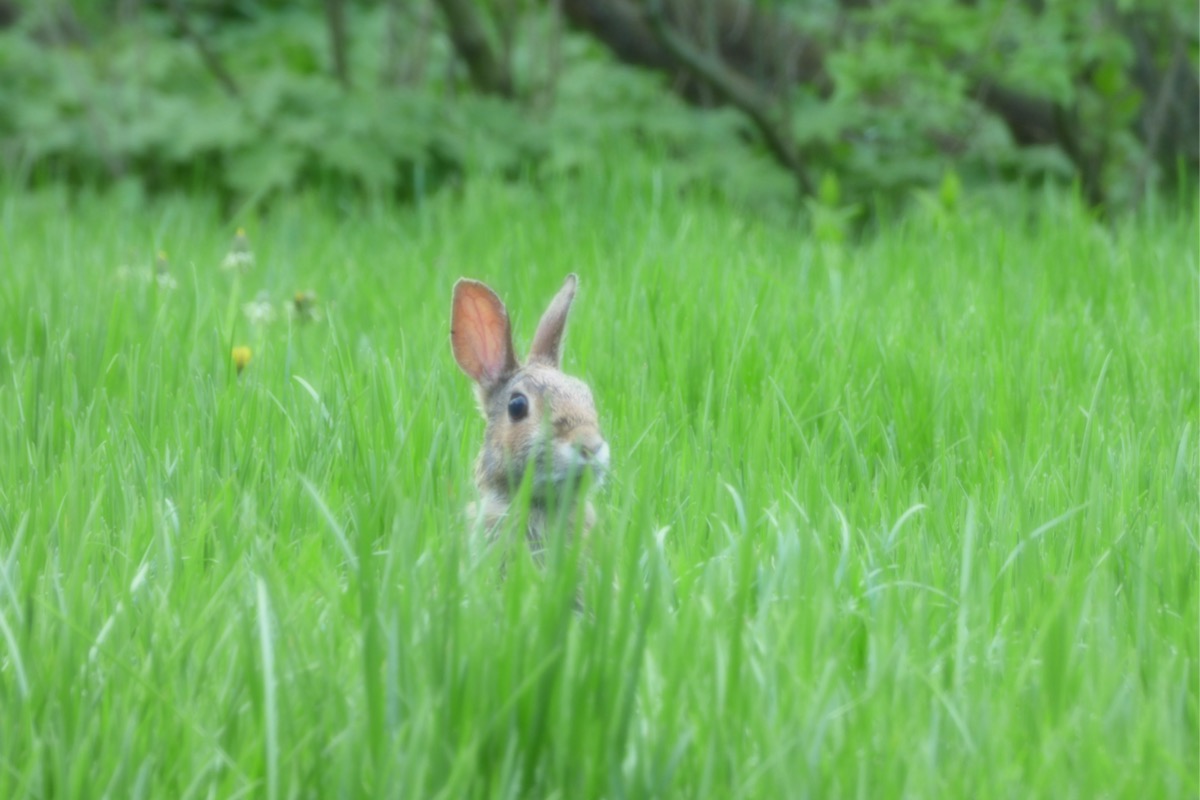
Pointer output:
518, 407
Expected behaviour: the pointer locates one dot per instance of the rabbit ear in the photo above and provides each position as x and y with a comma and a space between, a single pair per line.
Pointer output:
481, 334
547, 341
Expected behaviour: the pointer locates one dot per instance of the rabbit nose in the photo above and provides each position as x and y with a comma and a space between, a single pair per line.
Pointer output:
589, 446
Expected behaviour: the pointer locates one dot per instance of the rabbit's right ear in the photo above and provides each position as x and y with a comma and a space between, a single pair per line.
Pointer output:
481, 334
547, 340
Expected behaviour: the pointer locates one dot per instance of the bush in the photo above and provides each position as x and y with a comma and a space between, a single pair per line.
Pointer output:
245, 98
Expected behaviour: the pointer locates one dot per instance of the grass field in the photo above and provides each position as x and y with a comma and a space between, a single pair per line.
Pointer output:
910, 517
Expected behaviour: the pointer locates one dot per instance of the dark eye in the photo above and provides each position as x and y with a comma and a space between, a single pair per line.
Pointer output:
518, 407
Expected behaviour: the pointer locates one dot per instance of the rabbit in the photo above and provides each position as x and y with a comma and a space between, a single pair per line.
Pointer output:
538, 418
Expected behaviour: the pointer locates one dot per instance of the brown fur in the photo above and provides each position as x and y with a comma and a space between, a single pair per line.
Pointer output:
560, 436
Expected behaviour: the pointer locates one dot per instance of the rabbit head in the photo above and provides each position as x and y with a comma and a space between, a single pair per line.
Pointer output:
538, 418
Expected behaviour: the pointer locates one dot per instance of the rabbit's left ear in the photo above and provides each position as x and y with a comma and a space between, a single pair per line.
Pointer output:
547, 341
481, 334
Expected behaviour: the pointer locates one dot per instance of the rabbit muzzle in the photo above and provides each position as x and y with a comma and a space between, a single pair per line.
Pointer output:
583, 452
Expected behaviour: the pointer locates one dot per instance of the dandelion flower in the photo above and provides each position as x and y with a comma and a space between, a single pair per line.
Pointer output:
240, 256
162, 272
126, 273
303, 306
260, 311
241, 357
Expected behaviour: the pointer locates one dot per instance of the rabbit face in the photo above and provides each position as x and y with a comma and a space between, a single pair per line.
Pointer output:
543, 420
539, 418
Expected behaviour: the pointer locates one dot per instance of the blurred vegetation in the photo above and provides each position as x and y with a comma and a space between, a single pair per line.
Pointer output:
842, 102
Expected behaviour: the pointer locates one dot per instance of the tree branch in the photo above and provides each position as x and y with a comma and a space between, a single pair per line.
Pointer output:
209, 56
735, 90
470, 38
1155, 120
748, 39
335, 15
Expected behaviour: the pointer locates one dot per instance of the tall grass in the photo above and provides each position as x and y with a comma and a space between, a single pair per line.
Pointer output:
915, 516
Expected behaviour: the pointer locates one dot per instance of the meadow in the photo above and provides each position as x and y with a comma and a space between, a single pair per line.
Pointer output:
912, 514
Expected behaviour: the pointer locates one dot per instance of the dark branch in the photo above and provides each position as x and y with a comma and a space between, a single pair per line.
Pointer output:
209, 56
469, 34
335, 15
735, 90
747, 39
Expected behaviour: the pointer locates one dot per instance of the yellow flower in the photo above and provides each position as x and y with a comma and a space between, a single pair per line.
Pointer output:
241, 357
303, 306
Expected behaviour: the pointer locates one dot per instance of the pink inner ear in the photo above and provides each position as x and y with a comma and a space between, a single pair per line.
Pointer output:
547, 340
480, 333
482, 338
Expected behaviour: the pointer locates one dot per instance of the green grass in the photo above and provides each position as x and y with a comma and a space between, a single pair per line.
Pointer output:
913, 517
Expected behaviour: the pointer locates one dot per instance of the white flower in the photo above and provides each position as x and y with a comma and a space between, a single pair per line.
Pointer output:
260, 311
240, 256
127, 273
237, 260
162, 272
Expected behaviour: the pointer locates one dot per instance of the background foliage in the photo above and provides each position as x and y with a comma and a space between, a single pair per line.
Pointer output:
258, 97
